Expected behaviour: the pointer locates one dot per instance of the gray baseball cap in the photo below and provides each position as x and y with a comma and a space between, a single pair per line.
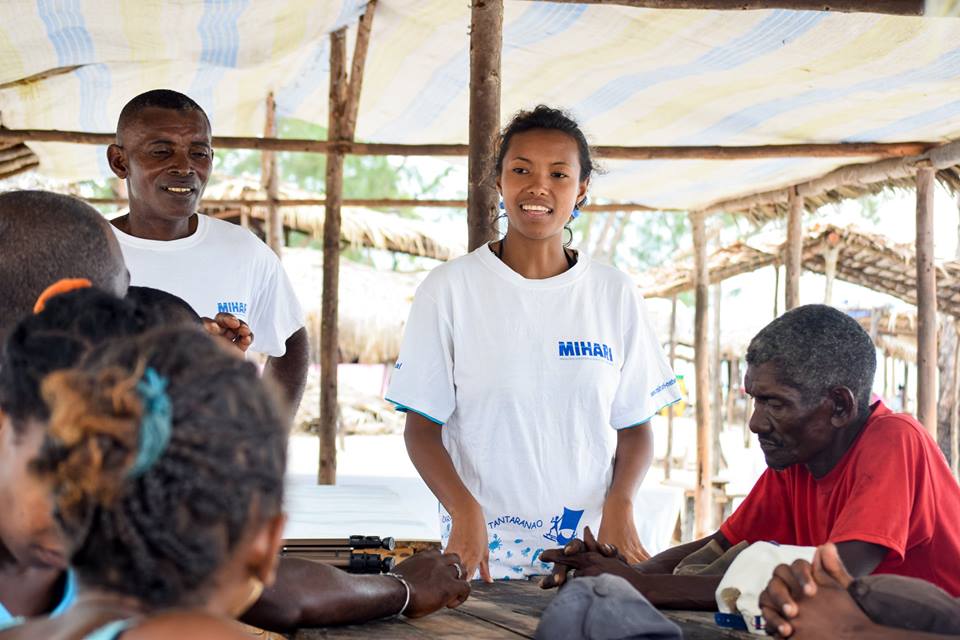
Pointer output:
604, 607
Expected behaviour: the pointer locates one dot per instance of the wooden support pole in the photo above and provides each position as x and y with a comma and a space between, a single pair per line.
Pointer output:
889, 7
830, 258
926, 304
895, 150
946, 366
668, 457
776, 290
270, 182
794, 250
486, 44
341, 122
329, 352
703, 494
716, 388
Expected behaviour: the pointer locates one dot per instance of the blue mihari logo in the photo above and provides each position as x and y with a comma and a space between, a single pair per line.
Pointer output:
582, 349
232, 307
563, 528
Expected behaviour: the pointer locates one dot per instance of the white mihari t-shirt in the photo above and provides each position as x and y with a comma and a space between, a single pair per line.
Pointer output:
220, 267
527, 378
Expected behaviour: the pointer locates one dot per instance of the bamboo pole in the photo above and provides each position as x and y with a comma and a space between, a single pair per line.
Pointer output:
667, 459
703, 493
486, 44
269, 179
926, 304
794, 250
890, 7
687, 152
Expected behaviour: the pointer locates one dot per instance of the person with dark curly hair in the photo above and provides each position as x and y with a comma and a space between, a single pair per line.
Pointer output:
33, 557
529, 373
166, 484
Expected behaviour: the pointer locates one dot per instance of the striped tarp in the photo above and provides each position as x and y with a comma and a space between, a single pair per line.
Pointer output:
632, 77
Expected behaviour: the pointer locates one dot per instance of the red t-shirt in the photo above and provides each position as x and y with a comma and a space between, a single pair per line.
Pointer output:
892, 488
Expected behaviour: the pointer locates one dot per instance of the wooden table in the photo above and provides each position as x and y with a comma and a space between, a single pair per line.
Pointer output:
503, 610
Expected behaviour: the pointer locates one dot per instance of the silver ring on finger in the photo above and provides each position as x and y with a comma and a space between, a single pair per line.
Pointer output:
456, 565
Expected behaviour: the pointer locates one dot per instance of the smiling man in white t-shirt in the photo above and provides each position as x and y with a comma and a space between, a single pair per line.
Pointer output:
163, 151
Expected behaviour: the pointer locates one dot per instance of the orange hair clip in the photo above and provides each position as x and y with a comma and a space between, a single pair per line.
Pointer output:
60, 286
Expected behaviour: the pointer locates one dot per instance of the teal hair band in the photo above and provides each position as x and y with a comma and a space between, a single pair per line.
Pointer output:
156, 423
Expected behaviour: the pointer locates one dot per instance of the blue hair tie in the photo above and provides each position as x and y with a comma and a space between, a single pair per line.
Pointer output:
156, 423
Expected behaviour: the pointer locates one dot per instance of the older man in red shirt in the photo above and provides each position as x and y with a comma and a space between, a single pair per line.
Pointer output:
840, 470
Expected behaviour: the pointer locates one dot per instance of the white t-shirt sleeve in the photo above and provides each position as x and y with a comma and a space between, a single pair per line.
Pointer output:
276, 311
647, 384
422, 379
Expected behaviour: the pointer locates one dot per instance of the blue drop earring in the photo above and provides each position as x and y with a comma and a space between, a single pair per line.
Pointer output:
502, 206
576, 209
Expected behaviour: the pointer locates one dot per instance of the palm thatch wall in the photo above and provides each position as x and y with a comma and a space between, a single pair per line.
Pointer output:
359, 226
866, 259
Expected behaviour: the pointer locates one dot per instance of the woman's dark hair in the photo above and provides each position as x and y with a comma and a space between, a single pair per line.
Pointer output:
161, 534
544, 117
70, 325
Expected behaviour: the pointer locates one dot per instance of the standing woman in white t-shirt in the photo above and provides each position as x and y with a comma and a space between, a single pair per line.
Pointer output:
517, 360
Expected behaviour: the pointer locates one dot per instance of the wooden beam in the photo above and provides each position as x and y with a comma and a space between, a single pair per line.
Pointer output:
486, 44
703, 492
350, 147
373, 202
926, 304
889, 7
760, 152
794, 250
270, 180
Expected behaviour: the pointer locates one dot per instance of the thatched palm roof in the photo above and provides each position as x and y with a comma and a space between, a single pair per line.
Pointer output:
865, 259
16, 158
359, 226
888, 175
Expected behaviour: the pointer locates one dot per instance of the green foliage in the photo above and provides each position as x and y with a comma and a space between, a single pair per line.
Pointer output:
363, 176
659, 236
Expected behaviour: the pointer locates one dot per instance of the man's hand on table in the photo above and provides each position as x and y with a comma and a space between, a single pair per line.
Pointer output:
585, 557
230, 328
805, 600
436, 580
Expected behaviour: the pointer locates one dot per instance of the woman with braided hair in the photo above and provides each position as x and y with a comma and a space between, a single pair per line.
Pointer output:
167, 486
34, 580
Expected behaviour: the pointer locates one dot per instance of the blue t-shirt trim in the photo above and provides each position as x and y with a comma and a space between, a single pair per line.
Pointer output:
640, 422
404, 408
69, 595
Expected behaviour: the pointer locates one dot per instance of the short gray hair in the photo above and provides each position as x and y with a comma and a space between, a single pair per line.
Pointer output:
816, 347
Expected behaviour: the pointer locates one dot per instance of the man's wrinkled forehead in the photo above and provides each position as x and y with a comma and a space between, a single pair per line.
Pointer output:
157, 123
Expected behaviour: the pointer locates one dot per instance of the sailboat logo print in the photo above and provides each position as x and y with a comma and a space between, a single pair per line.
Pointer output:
563, 528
